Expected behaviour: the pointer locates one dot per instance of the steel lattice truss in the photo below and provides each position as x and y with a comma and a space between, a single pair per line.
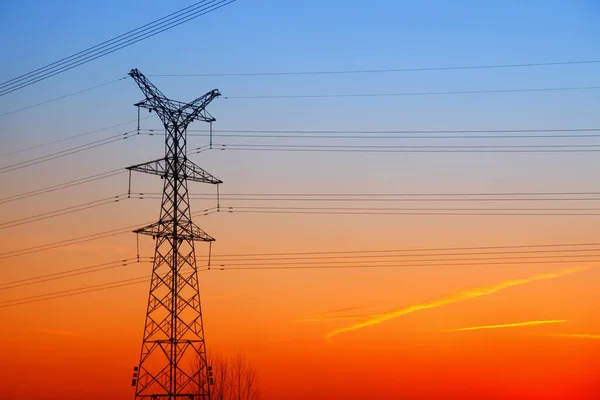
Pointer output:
173, 359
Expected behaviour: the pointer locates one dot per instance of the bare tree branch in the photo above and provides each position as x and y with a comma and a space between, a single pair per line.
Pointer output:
233, 379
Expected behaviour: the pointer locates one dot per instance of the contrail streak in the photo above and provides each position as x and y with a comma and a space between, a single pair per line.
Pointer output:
528, 323
453, 298
327, 315
577, 335
339, 310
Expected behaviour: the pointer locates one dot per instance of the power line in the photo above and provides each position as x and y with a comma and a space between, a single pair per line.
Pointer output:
396, 134
384, 197
379, 200
406, 209
367, 147
325, 267
414, 213
419, 194
251, 267
313, 259
61, 97
583, 148
66, 242
64, 211
363, 255
77, 291
236, 208
387, 70
398, 253
388, 136
116, 43
85, 238
73, 137
64, 185
349, 263
455, 92
266, 210
72, 272
73, 292
67, 152
420, 249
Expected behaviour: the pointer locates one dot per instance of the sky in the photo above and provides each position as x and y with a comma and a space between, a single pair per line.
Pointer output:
519, 326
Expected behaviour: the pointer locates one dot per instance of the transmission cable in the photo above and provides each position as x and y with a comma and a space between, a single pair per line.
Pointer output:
64, 185
62, 97
583, 148
454, 92
72, 272
397, 253
124, 40
349, 263
549, 133
64, 211
365, 256
67, 152
73, 137
386, 70
72, 292
383, 266
399, 212
87, 238
142, 279
383, 198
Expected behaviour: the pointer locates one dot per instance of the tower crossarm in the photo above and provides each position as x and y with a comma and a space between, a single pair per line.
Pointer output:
155, 99
187, 231
173, 112
196, 110
189, 171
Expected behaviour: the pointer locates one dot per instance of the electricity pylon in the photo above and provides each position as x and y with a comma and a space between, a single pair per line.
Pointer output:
173, 361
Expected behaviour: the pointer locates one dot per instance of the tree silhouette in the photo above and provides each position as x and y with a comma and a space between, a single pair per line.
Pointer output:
234, 378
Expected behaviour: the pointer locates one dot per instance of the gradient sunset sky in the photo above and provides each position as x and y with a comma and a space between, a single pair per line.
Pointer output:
452, 324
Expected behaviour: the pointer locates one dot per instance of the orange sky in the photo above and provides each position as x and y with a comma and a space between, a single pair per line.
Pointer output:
87, 345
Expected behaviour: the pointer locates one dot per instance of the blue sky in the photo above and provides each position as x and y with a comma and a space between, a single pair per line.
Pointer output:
259, 36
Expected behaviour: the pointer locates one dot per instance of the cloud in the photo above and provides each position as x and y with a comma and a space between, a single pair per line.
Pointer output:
577, 335
516, 324
453, 298
332, 317
326, 315
339, 310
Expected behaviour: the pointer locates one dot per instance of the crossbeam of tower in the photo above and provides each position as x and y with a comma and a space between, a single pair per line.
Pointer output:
173, 362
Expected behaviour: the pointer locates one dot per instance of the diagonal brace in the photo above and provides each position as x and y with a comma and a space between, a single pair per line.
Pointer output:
189, 171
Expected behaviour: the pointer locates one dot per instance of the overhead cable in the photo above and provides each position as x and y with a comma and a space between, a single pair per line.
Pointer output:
386, 70
433, 93
116, 43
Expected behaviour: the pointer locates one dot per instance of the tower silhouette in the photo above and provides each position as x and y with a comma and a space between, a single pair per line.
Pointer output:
173, 362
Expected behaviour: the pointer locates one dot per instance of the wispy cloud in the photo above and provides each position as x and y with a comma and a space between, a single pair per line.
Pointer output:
453, 298
333, 317
576, 335
339, 310
513, 325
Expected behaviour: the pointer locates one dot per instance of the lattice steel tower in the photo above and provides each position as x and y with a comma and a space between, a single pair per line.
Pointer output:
173, 358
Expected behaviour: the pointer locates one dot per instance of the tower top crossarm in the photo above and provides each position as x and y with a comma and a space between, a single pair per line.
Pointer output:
173, 112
